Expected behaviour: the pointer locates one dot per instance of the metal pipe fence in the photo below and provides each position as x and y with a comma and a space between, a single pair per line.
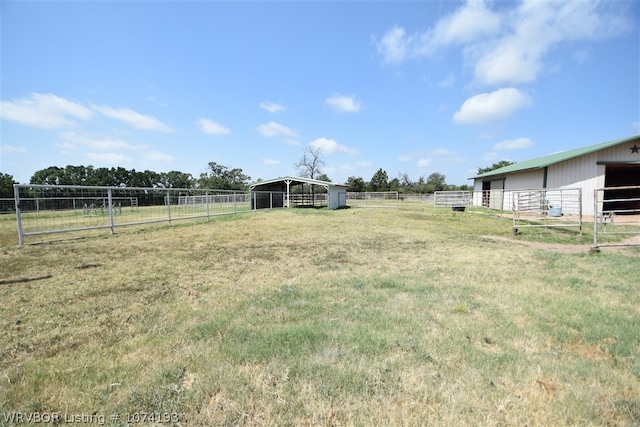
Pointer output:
379, 199
48, 209
616, 215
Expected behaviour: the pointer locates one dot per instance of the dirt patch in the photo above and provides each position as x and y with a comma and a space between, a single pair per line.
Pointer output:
555, 247
589, 352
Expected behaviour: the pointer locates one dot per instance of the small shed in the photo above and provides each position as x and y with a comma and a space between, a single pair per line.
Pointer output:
295, 191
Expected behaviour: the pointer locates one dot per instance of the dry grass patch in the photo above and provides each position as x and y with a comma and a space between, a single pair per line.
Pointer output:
310, 317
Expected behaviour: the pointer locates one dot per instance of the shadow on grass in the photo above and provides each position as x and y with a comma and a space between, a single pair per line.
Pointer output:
24, 280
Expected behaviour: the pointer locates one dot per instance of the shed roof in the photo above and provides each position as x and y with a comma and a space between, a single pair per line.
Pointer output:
297, 180
552, 159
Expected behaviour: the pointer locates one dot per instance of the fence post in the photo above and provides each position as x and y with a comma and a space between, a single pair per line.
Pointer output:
206, 198
169, 205
235, 203
595, 218
16, 196
110, 200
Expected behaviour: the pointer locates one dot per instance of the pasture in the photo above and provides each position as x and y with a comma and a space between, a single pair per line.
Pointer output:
414, 316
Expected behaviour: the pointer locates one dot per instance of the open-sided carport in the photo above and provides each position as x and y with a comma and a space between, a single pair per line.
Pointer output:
279, 192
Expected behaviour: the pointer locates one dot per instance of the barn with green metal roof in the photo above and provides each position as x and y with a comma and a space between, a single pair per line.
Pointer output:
608, 164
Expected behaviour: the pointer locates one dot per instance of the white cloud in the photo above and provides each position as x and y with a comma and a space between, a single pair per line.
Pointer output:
470, 22
12, 149
394, 47
44, 111
330, 146
158, 156
513, 144
488, 107
133, 118
343, 104
209, 127
275, 129
271, 162
424, 162
108, 158
537, 27
510, 44
271, 107
73, 140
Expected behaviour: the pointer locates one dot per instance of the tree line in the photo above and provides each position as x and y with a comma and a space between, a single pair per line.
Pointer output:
224, 178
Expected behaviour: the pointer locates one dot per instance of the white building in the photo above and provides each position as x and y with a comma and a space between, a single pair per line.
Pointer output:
609, 164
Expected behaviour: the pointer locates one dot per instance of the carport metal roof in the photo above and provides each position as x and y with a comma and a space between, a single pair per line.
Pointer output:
292, 180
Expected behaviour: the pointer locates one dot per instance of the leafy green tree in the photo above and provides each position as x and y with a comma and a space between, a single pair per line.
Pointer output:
220, 177
324, 177
436, 182
144, 179
52, 175
394, 184
500, 164
356, 184
6, 185
175, 179
379, 181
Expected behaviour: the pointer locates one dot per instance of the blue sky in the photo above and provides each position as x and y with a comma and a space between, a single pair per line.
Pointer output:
412, 87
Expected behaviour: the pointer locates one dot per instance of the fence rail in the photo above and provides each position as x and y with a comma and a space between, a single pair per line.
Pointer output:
380, 199
47, 209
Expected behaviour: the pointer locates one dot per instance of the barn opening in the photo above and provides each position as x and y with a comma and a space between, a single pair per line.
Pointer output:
623, 200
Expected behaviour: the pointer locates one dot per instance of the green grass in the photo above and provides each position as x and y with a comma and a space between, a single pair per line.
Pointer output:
413, 316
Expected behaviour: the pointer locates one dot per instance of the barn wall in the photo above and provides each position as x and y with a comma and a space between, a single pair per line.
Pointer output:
526, 179
581, 172
619, 153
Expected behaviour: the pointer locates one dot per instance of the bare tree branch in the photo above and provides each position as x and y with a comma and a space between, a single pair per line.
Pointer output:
311, 164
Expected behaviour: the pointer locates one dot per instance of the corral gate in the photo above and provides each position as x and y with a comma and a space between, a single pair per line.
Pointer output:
547, 208
460, 199
616, 220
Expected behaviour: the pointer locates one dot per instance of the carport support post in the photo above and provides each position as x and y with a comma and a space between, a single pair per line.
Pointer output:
288, 182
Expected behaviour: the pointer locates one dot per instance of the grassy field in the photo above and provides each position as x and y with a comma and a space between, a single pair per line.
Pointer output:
297, 317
